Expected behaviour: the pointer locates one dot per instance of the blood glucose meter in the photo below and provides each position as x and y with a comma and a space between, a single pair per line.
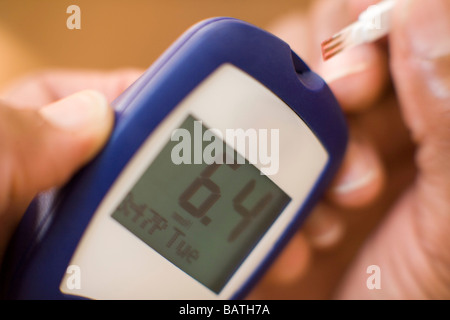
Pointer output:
218, 153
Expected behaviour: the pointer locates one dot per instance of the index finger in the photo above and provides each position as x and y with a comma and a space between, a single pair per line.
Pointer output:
358, 76
41, 88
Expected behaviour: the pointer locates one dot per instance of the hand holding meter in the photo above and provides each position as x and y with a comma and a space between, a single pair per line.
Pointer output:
218, 153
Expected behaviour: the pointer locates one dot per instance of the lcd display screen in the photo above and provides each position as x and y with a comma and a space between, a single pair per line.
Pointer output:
204, 218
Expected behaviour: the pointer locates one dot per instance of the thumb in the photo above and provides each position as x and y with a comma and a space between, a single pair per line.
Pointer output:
420, 50
420, 57
411, 246
42, 148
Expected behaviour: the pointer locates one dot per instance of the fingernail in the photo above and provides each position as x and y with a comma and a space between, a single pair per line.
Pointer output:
358, 174
324, 229
357, 179
344, 65
427, 25
77, 112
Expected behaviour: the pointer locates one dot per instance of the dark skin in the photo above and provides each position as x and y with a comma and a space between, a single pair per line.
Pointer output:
37, 154
395, 94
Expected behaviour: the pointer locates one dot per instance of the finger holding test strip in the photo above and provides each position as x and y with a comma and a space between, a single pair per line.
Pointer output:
392, 91
372, 24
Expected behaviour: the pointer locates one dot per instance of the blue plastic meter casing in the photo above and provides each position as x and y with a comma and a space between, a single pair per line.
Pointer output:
54, 223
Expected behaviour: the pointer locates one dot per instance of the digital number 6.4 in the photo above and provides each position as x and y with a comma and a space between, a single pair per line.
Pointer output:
200, 211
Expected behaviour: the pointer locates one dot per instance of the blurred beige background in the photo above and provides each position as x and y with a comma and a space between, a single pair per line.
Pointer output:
114, 33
